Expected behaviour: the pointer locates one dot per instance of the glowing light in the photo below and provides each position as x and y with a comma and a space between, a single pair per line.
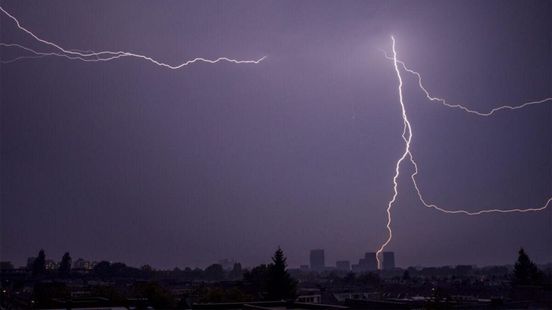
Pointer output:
92, 56
407, 137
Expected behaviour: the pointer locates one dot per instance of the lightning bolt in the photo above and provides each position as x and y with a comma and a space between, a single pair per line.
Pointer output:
407, 138
92, 56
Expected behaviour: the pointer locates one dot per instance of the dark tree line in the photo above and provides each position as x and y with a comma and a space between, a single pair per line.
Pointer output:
65, 265
273, 281
268, 282
526, 272
38, 266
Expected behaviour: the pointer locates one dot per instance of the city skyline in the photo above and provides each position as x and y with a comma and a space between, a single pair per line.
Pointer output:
366, 263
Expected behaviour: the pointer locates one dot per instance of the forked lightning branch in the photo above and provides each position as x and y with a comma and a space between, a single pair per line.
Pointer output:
407, 153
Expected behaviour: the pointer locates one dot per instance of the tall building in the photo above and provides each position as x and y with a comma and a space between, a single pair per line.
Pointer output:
367, 264
388, 260
343, 265
317, 262
362, 266
370, 261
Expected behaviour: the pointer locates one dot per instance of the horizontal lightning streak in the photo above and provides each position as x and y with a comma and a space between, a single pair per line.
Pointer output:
92, 56
484, 211
459, 106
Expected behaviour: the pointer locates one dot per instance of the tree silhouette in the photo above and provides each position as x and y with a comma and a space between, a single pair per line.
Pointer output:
257, 277
525, 271
214, 272
280, 285
65, 265
102, 269
236, 273
406, 275
39, 264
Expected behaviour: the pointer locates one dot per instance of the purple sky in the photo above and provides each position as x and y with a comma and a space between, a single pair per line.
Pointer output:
126, 161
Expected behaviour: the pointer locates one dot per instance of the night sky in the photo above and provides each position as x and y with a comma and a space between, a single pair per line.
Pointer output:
127, 161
